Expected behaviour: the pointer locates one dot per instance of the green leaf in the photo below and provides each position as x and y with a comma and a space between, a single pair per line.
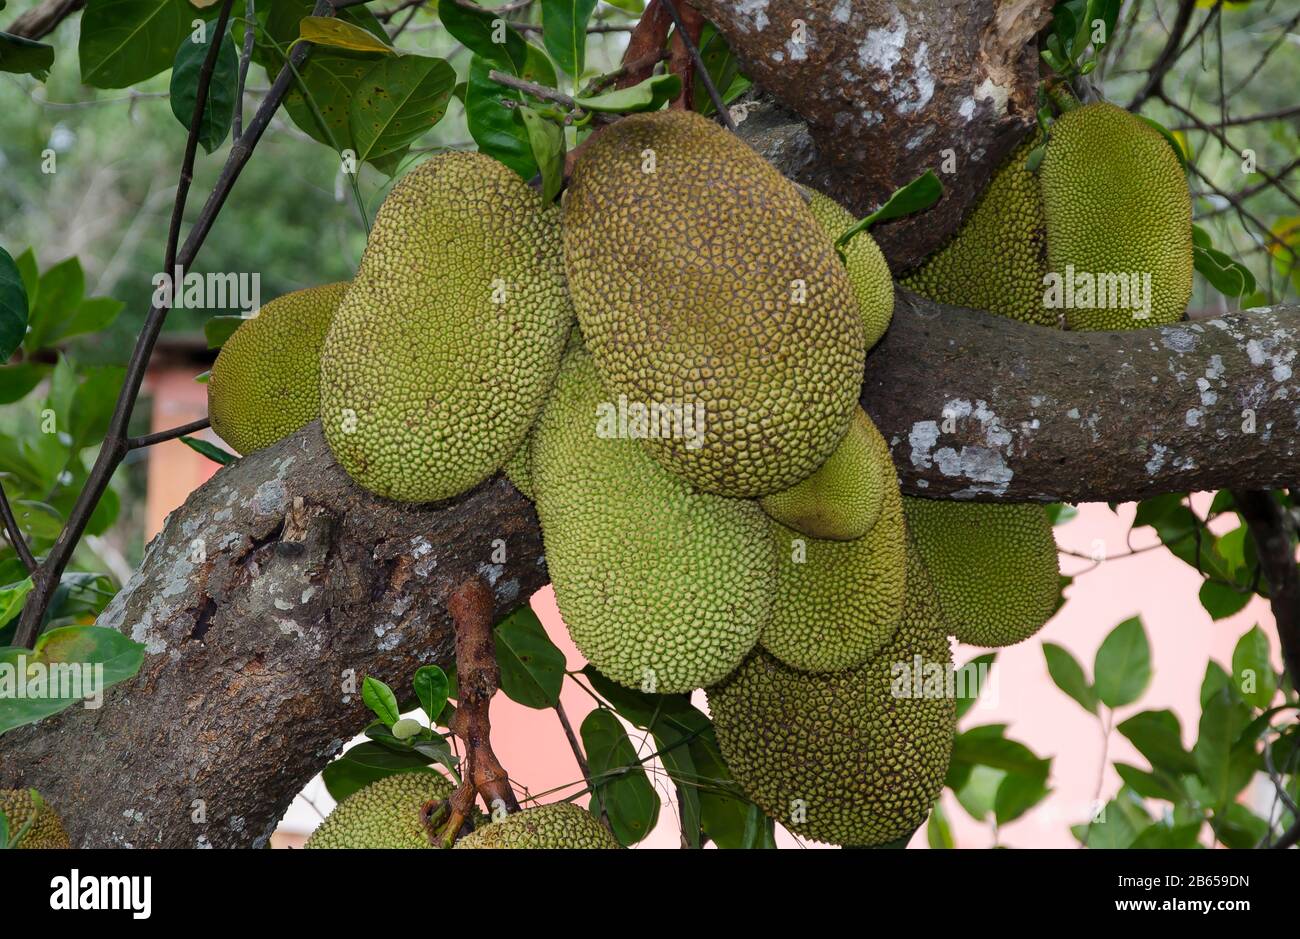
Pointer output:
1230, 278
366, 763
432, 688
12, 597
209, 450
1068, 675
1222, 601
398, 101
648, 95
123, 42
380, 699
102, 658
920, 193
722, 67
1252, 668
217, 329
986, 746
1149, 785
1238, 827
1223, 718
498, 131
619, 780
17, 381
546, 138
487, 35
62, 288
635, 7
93, 403
22, 56
1122, 669
1161, 835
532, 668
1020, 792
564, 32
1061, 512
328, 82
13, 307
219, 108
340, 34
938, 833
971, 680
1157, 736
978, 792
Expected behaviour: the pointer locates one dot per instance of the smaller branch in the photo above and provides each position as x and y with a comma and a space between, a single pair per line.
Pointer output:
1268, 526
161, 436
1168, 56
385, 15
532, 88
577, 755
1290, 837
689, 25
645, 45
44, 19
593, 28
15, 533
245, 56
1248, 119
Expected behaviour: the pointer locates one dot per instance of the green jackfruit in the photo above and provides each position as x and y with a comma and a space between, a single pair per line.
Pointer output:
662, 587
838, 602
518, 468
1117, 207
385, 814
994, 566
557, 825
265, 383
873, 285
701, 280
842, 499
24, 806
853, 757
997, 260
443, 351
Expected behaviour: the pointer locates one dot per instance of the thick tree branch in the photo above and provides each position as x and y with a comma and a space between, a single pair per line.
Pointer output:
1268, 526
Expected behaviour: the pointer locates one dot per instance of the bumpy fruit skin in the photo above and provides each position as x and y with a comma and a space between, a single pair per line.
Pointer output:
558, 825
865, 765
841, 501
265, 383
837, 603
444, 349
662, 587
686, 281
994, 567
1116, 202
873, 285
518, 468
997, 260
20, 807
385, 814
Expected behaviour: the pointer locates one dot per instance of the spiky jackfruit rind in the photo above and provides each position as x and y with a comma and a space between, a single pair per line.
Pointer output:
265, 383
444, 349
997, 259
385, 814
559, 825
838, 603
994, 566
46, 830
873, 284
839, 757
662, 587
701, 280
842, 499
1116, 203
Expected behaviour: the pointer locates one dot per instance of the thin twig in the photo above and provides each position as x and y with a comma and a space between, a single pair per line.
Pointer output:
700, 70
1268, 527
245, 56
1168, 56
15, 533
537, 91
161, 436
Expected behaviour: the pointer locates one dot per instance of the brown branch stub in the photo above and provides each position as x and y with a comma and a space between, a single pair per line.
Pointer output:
42, 20
645, 45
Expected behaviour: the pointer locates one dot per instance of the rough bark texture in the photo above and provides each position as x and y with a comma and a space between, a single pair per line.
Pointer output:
261, 615
890, 88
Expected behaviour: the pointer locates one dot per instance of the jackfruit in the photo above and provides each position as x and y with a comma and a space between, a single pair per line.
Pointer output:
443, 351
873, 285
997, 259
1117, 207
701, 280
265, 383
557, 825
842, 499
838, 602
662, 587
994, 566
852, 757
387, 813
23, 806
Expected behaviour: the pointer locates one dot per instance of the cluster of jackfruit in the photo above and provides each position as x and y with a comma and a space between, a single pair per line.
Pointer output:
32, 823
678, 394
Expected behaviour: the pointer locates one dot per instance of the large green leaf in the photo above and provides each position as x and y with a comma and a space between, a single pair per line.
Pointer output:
398, 100
1157, 736
532, 668
564, 32
366, 763
13, 307
219, 109
320, 103
1223, 718
1221, 600
546, 138
16, 381
498, 131
1252, 668
1122, 669
1068, 675
22, 56
126, 41
619, 780
648, 95
380, 699
972, 677
432, 687
487, 35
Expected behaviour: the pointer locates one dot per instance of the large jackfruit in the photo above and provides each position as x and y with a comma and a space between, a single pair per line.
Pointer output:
853, 757
701, 279
842, 499
557, 825
997, 259
385, 814
994, 566
442, 352
837, 603
662, 587
24, 808
265, 383
1117, 206
873, 285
